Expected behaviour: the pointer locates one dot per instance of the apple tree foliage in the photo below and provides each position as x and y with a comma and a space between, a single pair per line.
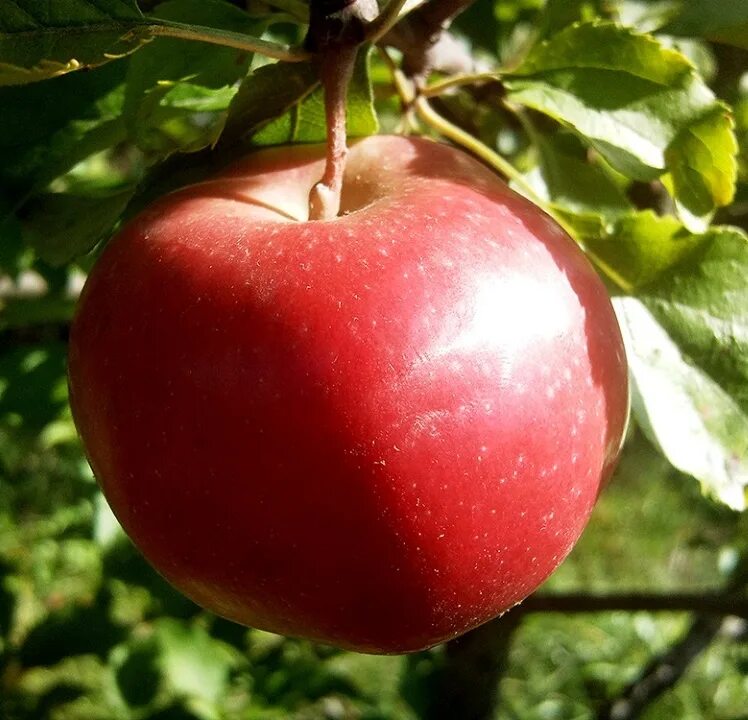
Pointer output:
627, 120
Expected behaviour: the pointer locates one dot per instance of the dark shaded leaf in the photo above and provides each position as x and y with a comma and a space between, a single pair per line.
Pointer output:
266, 94
720, 20
46, 129
171, 80
75, 630
41, 40
61, 226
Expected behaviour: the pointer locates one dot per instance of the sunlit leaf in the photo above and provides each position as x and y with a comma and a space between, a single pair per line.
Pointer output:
640, 104
687, 340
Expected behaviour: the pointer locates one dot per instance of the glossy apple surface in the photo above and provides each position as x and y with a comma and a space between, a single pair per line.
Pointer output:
378, 431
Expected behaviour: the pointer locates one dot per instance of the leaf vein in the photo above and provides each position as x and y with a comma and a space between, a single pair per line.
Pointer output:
24, 11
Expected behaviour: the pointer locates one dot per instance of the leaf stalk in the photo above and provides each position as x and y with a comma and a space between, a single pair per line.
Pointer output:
240, 41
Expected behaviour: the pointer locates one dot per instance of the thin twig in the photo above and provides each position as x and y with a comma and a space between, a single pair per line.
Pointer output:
456, 81
717, 604
411, 97
385, 21
476, 147
664, 671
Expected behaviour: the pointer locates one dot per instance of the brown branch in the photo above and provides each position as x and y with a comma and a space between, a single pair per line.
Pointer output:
703, 603
337, 23
663, 672
34, 334
384, 21
419, 35
467, 686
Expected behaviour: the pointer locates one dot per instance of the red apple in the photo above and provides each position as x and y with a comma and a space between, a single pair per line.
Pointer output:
378, 431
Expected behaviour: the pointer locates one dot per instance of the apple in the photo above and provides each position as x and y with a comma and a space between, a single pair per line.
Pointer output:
378, 431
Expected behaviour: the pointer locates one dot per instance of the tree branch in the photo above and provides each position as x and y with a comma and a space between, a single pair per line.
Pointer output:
419, 34
716, 604
663, 672
338, 23
467, 686
459, 80
34, 334
384, 22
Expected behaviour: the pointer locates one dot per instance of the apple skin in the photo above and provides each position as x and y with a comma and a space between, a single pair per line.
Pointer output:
377, 432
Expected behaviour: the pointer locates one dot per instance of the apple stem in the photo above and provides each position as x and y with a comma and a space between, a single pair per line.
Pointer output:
336, 71
337, 28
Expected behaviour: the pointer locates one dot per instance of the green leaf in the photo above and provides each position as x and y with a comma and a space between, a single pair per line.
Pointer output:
13, 253
136, 672
703, 167
106, 528
640, 104
61, 226
269, 92
557, 14
704, 300
720, 20
281, 104
196, 665
687, 342
196, 98
305, 122
40, 40
571, 181
618, 90
171, 80
47, 128
29, 380
639, 246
